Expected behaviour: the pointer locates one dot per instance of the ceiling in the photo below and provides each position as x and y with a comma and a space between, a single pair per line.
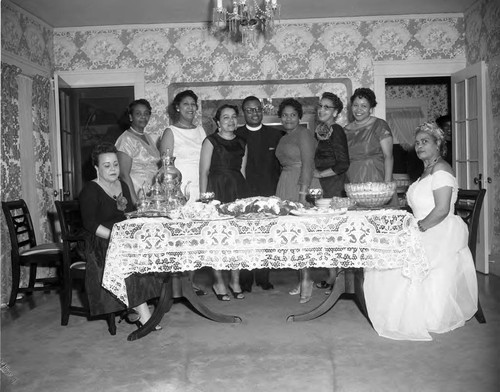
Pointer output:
78, 13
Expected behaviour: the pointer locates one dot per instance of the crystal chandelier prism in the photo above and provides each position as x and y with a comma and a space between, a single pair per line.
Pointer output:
243, 20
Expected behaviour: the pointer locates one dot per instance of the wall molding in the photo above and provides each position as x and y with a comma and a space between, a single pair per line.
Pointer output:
28, 68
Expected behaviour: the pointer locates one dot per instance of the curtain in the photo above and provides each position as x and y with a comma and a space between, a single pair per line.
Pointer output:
10, 168
403, 122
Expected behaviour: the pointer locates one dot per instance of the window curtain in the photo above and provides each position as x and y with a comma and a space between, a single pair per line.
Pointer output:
403, 122
10, 168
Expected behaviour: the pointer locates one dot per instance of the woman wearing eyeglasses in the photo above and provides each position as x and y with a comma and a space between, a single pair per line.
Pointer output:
331, 158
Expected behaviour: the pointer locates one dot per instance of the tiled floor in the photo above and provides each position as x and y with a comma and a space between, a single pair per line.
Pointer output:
336, 352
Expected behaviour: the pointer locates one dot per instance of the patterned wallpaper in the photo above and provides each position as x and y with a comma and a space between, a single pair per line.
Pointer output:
344, 49
482, 32
26, 37
435, 94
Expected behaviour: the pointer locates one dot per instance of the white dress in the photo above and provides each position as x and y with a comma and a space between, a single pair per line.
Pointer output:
408, 310
187, 149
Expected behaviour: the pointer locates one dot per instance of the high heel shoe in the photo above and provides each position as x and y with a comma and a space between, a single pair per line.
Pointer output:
295, 290
306, 294
236, 294
140, 324
221, 297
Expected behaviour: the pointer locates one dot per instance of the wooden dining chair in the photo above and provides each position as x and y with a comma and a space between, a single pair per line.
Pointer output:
26, 252
468, 207
74, 262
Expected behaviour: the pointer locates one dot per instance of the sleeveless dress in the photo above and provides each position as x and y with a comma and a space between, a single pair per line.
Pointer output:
292, 158
187, 149
145, 157
404, 310
98, 208
365, 154
224, 177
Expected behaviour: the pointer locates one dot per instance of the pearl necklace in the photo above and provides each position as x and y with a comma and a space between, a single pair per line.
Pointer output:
136, 132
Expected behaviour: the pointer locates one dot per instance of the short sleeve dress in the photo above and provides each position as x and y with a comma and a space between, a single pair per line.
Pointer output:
98, 208
365, 154
145, 157
408, 310
225, 178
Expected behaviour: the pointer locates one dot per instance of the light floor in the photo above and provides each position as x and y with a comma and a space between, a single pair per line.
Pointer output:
336, 352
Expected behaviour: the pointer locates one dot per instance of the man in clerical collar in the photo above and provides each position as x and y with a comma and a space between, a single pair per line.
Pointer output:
262, 170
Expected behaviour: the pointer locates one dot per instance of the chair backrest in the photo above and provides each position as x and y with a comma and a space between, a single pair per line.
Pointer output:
20, 224
468, 206
70, 220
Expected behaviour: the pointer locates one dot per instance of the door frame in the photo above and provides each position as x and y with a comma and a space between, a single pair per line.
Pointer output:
90, 78
383, 70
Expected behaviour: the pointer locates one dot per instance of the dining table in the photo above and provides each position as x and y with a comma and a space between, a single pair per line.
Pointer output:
348, 240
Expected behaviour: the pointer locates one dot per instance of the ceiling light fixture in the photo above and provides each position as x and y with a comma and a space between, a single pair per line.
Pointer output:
244, 19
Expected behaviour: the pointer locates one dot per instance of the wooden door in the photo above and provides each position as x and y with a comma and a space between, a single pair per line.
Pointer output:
470, 145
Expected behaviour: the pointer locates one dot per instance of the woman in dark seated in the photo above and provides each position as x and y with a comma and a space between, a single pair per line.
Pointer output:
408, 310
103, 202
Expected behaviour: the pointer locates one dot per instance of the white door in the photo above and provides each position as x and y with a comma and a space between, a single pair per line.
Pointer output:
471, 143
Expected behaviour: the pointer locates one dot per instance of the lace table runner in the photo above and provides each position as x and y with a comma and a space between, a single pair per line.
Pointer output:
379, 239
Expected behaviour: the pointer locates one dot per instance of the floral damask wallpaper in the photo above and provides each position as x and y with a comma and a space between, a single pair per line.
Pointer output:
344, 49
482, 32
435, 94
26, 37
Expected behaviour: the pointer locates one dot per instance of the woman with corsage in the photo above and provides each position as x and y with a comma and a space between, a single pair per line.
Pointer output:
331, 158
295, 151
222, 169
137, 152
409, 310
104, 202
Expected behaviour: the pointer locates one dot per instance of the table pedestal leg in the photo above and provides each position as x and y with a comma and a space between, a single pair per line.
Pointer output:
164, 304
187, 292
177, 285
348, 281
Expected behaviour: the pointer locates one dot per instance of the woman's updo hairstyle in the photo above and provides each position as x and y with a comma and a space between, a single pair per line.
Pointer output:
337, 102
365, 93
432, 129
173, 108
294, 104
220, 109
102, 148
138, 102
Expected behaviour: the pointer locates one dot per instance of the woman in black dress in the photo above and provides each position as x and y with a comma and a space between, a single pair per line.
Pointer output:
222, 168
331, 158
103, 202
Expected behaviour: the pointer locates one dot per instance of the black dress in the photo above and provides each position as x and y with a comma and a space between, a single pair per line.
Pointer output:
98, 208
263, 168
333, 153
225, 178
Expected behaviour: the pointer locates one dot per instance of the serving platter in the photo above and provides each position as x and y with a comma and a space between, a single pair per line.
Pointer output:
318, 212
146, 214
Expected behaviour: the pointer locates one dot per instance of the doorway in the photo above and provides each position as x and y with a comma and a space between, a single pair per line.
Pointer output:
410, 101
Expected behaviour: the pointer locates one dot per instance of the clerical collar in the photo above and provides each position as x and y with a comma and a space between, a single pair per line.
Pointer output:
254, 128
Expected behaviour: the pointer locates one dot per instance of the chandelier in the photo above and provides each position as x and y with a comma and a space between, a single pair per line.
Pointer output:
244, 19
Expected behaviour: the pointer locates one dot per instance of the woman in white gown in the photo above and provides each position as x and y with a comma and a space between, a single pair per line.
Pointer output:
447, 297
184, 140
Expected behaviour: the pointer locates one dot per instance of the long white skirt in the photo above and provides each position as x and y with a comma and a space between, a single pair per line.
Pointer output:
404, 310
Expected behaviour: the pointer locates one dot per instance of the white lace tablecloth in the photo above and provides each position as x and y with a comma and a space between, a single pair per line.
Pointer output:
372, 239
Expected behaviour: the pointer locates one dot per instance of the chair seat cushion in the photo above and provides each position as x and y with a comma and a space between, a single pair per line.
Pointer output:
79, 265
50, 248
